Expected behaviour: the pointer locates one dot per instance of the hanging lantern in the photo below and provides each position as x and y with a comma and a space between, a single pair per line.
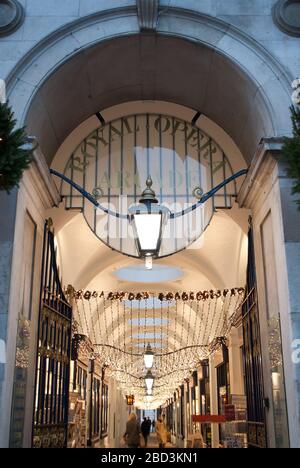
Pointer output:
148, 220
149, 380
130, 400
149, 357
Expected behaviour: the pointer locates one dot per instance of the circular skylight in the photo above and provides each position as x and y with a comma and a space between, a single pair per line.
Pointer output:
154, 303
158, 274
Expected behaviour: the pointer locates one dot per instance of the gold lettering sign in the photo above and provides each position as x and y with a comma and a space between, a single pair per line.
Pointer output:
114, 161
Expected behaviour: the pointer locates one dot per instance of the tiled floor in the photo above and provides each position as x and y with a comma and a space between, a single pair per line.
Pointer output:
153, 442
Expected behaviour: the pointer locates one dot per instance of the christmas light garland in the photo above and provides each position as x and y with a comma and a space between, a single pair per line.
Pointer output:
184, 328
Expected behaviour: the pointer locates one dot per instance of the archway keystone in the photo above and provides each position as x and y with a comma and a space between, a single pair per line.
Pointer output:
148, 14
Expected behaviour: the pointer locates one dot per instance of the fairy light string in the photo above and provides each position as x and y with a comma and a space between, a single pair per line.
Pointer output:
191, 325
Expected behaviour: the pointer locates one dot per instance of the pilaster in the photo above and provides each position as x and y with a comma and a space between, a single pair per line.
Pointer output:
235, 363
36, 194
214, 407
276, 224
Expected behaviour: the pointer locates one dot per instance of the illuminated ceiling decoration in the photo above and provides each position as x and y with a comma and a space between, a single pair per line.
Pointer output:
148, 357
187, 173
182, 329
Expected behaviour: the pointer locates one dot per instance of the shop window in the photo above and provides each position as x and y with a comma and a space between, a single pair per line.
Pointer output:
104, 411
96, 407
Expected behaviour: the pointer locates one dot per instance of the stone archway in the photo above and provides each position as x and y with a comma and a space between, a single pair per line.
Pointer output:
192, 59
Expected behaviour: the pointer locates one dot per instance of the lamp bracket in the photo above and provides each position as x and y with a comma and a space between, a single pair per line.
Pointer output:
148, 195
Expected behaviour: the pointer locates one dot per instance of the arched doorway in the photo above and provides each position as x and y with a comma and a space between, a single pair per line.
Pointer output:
151, 67
94, 265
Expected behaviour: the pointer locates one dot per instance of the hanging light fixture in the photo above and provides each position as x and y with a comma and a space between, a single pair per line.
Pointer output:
149, 357
148, 220
130, 400
149, 381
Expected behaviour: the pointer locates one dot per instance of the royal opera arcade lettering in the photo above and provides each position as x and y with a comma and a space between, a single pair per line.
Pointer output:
114, 161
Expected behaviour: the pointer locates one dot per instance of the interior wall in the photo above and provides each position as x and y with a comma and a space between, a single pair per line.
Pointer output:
264, 198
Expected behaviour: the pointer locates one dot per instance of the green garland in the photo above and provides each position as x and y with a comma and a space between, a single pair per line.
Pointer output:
15, 156
291, 152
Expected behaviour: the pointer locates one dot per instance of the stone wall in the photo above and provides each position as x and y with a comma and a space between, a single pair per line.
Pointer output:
267, 192
37, 193
253, 17
7, 227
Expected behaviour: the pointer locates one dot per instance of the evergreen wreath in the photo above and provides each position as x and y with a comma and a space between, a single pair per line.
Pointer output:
15, 155
291, 148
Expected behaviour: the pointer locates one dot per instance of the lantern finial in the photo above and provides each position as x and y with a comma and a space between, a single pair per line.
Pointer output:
148, 357
148, 195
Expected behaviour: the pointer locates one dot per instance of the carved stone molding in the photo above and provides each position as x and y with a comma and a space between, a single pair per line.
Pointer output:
148, 14
12, 15
286, 15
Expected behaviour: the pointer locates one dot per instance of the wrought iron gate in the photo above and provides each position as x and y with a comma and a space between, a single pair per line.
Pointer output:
257, 434
50, 419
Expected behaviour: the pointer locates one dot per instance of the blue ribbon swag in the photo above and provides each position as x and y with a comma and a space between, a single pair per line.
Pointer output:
203, 199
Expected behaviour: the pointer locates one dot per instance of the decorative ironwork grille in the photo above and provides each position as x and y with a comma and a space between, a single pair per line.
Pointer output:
257, 434
50, 421
114, 161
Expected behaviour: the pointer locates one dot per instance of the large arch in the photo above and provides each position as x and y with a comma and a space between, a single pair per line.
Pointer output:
193, 60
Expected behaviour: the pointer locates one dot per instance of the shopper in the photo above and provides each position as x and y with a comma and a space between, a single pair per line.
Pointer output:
145, 431
149, 425
153, 426
161, 432
133, 431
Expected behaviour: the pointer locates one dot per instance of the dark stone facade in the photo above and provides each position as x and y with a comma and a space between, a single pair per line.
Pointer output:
12, 15
286, 14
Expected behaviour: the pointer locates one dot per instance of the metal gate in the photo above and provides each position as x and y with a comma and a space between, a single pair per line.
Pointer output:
50, 419
257, 434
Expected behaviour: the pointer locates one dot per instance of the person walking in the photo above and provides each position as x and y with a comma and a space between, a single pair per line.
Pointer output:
153, 425
149, 425
145, 431
132, 433
161, 432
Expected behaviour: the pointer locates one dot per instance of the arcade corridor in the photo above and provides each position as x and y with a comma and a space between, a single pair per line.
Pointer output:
149, 243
